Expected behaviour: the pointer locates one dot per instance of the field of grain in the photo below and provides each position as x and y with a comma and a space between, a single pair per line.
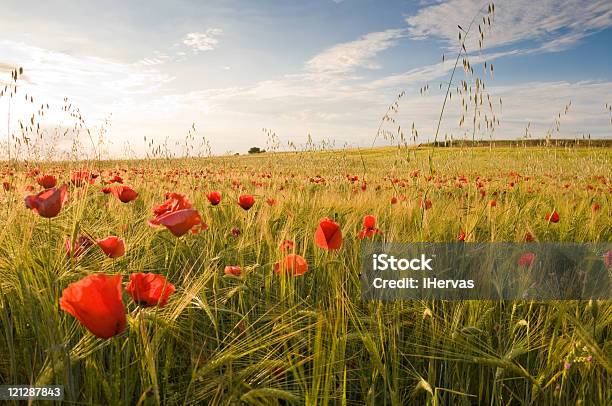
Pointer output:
253, 335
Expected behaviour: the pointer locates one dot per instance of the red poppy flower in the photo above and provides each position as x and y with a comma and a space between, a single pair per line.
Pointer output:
174, 202
96, 302
106, 190
79, 247
233, 270
113, 247
369, 227
394, 200
426, 204
293, 264
124, 193
286, 245
149, 289
493, 203
271, 202
596, 207
34, 172
47, 181
48, 203
246, 201
553, 217
214, 198
181, 221
235, 231
328, 235
529, 237
6, 186
115, 179
80, 178
368, 232
526, 259
461, 236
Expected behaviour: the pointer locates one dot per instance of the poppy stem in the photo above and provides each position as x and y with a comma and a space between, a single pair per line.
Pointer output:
50, 241
176, 242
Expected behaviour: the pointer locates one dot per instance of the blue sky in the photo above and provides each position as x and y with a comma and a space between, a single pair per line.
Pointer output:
328, 68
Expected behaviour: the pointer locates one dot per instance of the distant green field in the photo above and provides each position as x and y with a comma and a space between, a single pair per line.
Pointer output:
266, 338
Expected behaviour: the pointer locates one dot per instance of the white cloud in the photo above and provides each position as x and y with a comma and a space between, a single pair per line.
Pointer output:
97, 86
203, 41
296, 105
326, 100
345, 57
325, 97
564, 22
422, 75
158, 58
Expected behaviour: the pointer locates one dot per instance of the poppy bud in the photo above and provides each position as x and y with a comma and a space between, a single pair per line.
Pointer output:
214, 198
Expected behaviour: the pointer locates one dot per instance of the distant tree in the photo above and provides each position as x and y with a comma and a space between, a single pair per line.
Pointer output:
256, 150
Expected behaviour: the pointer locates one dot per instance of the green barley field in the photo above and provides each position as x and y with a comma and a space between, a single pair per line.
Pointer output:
260, 337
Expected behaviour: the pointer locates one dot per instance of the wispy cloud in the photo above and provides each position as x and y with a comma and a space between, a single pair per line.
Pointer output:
564, 22
421, 75
329, 93
326, 99
345, 57
196, 41
52, 75
158, 58
203, 41
351, 114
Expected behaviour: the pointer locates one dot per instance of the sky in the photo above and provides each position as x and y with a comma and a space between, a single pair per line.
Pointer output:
324, 68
